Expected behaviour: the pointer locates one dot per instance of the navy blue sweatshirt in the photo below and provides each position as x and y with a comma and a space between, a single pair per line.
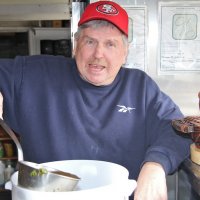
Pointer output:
60, 116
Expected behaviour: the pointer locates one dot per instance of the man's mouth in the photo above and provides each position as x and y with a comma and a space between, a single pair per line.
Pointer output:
96, 68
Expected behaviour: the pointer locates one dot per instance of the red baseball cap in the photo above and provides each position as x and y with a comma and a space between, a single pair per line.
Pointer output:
106, 10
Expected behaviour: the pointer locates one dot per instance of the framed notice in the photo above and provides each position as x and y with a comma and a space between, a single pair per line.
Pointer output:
179, 41
137, 57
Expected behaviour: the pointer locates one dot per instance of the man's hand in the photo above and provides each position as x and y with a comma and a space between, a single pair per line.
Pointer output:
151, 183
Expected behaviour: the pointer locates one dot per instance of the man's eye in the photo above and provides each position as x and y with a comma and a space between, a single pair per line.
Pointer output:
89, 42
110, 44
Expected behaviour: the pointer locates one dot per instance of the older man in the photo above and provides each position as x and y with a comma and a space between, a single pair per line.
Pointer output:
90, 107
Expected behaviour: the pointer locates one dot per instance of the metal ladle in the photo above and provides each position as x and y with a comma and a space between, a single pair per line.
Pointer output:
14, 138
37, 176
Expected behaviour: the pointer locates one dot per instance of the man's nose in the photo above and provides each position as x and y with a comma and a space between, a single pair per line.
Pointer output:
98, 53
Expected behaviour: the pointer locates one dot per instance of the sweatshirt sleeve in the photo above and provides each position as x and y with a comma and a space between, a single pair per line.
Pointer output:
6, 74
165, 146
10, 81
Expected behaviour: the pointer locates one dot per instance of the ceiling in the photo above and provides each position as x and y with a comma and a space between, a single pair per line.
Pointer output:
23, 10
34, 1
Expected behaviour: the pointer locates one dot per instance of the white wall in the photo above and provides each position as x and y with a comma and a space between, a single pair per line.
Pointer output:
33, 1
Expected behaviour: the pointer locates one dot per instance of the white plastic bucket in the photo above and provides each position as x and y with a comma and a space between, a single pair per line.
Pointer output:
99, 180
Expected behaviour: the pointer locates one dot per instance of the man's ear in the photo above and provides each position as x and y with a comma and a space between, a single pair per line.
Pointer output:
74, 49
126, 54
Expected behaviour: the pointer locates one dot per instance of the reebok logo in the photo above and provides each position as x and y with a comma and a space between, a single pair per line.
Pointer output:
125, 109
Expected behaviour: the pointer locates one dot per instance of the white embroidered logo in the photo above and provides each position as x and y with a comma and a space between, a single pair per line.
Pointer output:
108, 8
125, 109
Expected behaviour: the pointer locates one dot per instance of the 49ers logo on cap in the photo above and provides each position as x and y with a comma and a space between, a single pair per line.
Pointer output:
107, 9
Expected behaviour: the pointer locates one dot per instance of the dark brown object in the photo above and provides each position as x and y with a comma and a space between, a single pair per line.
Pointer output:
189, 126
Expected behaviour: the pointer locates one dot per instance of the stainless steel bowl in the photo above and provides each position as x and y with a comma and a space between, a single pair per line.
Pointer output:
42, 178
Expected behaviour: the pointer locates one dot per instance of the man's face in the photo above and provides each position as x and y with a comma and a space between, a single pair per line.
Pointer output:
99, 54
